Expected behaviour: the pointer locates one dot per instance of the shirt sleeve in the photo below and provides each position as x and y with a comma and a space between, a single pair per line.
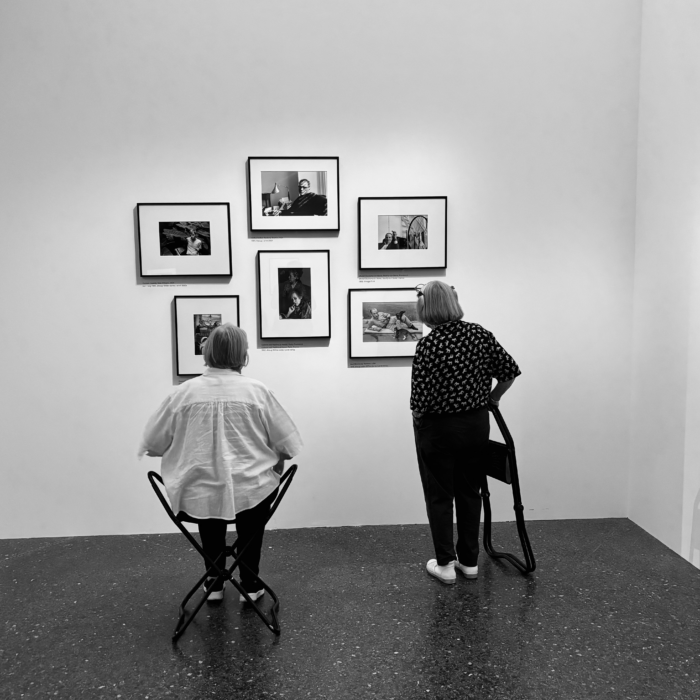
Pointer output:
282, 433
420, 374
159, 431
503, 366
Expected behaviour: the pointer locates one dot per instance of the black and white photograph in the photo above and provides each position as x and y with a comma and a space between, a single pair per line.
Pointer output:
324, 502
294, 294
204, 324
402, 232
390, 322
393, 232
184, 239
383, 322
293, 194
195, 319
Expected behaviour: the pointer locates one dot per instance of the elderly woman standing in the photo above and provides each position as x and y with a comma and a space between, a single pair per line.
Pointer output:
223, 438
451, 388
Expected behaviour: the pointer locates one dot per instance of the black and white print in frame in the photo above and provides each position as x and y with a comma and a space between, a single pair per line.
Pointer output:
383, 323
402, 232
184, 239
294, 194
195, 318
294, 299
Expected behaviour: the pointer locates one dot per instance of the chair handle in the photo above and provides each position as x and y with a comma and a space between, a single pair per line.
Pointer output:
507, 437
285, 479
154, 477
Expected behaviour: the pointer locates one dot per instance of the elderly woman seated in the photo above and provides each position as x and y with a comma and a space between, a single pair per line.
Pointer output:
223, 438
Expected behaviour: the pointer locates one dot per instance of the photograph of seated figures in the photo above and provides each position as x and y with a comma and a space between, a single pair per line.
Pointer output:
388, 321
294, 193
403, 232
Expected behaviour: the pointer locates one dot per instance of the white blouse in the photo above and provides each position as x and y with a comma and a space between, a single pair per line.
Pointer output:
220, 435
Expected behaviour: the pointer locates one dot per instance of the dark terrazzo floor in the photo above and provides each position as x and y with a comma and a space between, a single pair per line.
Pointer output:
609, 613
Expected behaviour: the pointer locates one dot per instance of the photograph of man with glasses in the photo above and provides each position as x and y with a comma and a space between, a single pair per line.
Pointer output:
306, 203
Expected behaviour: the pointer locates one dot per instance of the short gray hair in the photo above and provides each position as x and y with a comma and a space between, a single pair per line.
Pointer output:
438, 304
226, 348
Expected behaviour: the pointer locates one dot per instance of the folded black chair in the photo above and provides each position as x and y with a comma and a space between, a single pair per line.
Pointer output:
501, 465
214, 571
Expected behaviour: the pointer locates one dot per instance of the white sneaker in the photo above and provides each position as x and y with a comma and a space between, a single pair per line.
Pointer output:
468, 571
253, 596
446, 573
213, 595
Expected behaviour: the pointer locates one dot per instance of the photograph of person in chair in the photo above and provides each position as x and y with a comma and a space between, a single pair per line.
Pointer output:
308, 203
390, 242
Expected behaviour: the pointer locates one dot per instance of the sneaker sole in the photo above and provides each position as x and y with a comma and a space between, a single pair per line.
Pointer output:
447, 582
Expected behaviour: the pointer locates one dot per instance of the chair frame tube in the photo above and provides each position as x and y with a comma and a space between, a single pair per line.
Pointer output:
214, 571
529, 565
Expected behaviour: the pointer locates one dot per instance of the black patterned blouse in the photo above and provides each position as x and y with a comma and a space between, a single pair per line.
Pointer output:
453, 367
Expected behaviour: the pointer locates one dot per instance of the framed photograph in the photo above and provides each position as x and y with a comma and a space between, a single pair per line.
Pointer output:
195, 318
293, 194
294, 294
402, 232
383, 323
184, 239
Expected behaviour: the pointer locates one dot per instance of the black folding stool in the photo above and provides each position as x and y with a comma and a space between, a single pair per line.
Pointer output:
214, 571
501, 465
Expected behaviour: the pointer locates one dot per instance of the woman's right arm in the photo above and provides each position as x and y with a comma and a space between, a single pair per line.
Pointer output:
279, 467
498, 391
504, 370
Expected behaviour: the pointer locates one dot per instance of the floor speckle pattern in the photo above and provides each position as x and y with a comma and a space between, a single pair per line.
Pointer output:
610, 613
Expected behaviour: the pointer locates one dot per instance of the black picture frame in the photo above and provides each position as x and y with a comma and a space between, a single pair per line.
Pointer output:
159, 221
308, 312
416, 227
271, 186
188, 360
394, 339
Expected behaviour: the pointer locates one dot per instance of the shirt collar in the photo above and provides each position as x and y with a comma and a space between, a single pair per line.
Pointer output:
216, 370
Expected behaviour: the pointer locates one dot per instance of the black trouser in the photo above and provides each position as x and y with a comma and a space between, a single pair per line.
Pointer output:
451, 449
250, 526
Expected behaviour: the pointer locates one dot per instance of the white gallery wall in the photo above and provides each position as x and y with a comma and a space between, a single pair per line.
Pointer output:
665, 457
523, 114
